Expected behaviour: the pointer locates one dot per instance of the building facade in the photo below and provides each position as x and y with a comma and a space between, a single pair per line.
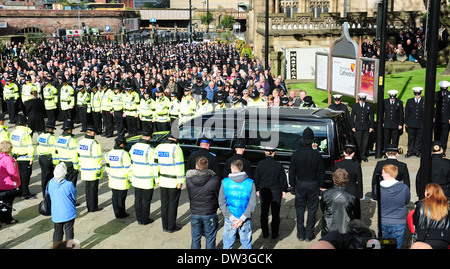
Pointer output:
306, 23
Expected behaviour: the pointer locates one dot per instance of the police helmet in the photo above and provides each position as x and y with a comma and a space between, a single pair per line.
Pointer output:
67, 124
21, 119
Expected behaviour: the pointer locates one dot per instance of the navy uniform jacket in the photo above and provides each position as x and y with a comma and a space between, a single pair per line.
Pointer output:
247, 165
403, 173
442, 112
414, 113
213, 163
393, 113
355, 177
340, 107
362, 117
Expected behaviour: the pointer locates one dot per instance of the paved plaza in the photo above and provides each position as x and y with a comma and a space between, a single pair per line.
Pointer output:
101, 230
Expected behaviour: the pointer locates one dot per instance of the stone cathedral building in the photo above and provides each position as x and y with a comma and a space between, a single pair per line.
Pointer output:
310, 23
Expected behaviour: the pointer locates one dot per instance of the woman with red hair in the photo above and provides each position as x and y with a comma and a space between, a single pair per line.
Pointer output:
431, 218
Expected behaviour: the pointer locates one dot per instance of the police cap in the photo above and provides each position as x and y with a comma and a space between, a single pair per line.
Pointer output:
240, 143
437, 146
391, 147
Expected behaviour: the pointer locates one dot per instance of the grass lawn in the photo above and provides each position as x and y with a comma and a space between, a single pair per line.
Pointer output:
402, 82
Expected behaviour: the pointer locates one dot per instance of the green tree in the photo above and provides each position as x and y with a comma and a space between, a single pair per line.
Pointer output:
206, 18
227, 21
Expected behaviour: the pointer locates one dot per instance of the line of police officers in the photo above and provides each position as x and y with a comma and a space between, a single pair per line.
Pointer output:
395, 116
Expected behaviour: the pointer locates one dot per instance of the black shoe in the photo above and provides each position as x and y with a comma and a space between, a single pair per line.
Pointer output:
309, 239
408, 155
12, 221
365, 159
301, 238
175, 229
417, 154
265, 235
30, 196
97, 209
123, 216
275, 236
145, 223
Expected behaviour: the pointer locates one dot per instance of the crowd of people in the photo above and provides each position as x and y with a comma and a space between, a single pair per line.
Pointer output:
408, 45
119, 90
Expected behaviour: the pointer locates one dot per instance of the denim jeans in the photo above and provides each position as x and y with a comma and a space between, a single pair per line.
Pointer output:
207, 225
245, 234
396, 231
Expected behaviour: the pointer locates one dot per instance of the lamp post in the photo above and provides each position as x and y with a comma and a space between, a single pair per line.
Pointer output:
381, 72
430, 86
266, 38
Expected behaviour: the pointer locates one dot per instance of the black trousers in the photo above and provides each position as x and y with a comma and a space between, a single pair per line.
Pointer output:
7, 197
13, 110
132, 125
391, 136
51, 115
82, 117
162, 126
270, 200
62, 228
66, 114
97, 119
414, 140
362, 139
47, 168
118, 202
147, 125
306, 198
169, 207
91, 192
441, 134
118, 118
142, 201
25, 175
108, 123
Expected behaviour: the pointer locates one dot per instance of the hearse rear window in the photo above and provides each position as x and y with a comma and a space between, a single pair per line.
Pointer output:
289, 135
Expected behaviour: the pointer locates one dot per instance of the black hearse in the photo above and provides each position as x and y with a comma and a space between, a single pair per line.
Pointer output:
268, 127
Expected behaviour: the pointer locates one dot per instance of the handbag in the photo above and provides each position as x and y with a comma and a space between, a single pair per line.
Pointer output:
45, 206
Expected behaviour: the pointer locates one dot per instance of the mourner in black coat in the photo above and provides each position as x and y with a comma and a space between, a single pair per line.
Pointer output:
355, 178
440, 174
35, 110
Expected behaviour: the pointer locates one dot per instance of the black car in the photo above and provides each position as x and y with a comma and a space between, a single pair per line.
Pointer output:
269, 127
